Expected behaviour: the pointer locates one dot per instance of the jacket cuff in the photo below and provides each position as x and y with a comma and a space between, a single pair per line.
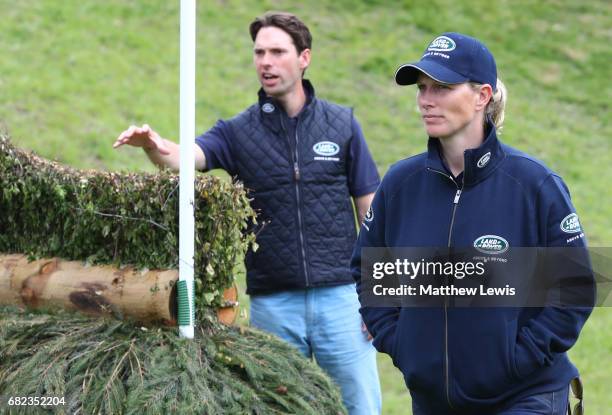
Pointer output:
384, 344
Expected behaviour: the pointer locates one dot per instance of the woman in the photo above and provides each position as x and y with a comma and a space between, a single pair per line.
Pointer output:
468, 185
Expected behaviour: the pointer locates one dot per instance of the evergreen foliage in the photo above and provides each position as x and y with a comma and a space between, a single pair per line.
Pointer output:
114, 367
51, 210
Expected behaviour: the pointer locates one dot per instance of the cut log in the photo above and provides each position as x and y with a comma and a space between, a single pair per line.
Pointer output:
229, 310
147, 296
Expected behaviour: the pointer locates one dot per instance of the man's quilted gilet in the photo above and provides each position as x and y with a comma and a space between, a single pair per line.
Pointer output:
306, 223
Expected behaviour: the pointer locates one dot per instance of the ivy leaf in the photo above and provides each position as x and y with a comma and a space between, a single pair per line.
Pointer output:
209, 297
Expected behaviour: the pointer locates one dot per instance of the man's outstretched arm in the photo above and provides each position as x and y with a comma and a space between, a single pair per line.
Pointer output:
161, 152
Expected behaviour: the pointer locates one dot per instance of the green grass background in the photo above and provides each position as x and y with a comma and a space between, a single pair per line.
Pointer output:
75, 73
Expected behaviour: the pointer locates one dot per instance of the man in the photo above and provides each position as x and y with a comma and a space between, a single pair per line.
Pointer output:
302, 159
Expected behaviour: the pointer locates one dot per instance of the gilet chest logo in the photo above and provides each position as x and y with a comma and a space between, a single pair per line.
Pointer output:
442, 44
484, 160
491, 244
326, 148
267, 108
571, 224
326, 151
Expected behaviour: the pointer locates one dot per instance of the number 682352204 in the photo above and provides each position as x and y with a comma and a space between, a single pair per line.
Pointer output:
35, 401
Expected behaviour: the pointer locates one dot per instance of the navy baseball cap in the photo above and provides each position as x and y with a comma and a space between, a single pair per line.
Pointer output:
452, 58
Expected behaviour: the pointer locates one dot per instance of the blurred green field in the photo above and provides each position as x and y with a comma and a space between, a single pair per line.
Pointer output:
75, 73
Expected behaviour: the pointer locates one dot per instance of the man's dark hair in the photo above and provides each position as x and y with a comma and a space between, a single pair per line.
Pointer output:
287, 22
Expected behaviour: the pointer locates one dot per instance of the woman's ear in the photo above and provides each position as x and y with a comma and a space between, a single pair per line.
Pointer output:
485, 94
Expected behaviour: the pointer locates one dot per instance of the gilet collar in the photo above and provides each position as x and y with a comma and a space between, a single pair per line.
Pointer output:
271, 110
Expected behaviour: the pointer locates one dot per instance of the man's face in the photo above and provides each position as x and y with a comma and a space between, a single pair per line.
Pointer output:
278, 64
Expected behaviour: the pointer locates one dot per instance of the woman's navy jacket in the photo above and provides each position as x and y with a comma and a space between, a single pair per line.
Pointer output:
465, 359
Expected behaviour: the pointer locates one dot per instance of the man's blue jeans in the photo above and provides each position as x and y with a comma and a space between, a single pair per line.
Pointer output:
325, 323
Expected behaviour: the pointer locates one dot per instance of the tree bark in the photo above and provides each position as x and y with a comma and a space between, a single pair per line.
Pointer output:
145, 296
229, 311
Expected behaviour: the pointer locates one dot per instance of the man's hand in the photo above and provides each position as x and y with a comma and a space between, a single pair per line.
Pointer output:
144, 137
365, 330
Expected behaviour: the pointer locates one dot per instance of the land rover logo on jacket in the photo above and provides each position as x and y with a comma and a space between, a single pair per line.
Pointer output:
571, 224
491, 244
484, 160
369, 216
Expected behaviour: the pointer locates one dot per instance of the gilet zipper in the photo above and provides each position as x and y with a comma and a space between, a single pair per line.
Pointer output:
296, 179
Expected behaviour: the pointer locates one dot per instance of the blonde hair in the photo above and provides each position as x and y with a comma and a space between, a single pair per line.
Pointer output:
496, 107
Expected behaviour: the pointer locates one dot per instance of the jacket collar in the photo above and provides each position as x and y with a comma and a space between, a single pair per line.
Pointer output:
479, 162
271, 110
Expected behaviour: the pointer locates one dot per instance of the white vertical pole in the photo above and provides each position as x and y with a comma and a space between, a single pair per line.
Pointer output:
187, 169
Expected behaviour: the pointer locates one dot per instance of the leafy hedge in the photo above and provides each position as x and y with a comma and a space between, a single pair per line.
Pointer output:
100, 365
48, 209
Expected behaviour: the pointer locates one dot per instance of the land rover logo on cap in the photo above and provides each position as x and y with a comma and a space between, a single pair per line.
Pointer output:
571, 224
491, 244
484, 160
267, 108
442, 44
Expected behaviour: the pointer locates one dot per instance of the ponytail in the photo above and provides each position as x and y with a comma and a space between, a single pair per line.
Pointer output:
496, 107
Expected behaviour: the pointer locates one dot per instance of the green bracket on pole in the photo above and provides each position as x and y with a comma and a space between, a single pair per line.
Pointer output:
186, 309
